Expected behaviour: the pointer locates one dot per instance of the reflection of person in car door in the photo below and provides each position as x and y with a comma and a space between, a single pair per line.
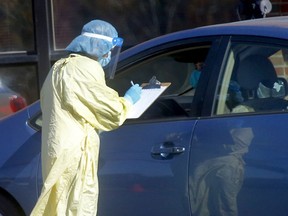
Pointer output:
215, 182
218, 173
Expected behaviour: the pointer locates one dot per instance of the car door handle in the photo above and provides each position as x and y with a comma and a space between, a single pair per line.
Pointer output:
167, 149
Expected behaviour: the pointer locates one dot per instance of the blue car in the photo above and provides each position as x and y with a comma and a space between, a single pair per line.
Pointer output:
214, 143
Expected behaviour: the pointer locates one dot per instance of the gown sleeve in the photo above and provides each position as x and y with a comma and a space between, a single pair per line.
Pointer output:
87, 97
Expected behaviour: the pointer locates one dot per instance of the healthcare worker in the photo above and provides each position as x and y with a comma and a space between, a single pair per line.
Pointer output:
76, 105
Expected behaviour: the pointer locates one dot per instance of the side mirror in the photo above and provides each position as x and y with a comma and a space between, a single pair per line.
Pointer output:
280, 88
275, 89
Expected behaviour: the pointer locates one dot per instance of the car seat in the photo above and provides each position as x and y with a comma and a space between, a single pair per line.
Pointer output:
254, 71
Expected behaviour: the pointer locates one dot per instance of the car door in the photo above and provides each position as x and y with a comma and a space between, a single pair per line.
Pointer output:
143, 166
239, 160
143, 169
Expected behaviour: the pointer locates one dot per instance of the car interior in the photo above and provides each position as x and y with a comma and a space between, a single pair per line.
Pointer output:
175, 67
257, 69
251, 82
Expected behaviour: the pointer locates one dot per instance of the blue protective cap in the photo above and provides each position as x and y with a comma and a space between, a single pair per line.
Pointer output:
104, 39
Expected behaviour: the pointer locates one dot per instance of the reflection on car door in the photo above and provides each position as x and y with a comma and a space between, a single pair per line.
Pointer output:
143, 169
217, 165
239, 166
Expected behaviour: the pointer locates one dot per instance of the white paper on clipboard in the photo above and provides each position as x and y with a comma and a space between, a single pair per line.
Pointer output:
148, 96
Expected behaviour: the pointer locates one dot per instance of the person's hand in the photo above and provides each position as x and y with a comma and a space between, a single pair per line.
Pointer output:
133, 94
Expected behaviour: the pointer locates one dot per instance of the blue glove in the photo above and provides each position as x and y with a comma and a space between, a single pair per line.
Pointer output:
133, 93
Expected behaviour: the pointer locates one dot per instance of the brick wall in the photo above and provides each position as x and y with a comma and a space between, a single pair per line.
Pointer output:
280, 63
279, 8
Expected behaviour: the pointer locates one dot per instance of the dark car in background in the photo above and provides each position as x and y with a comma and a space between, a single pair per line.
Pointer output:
214, 143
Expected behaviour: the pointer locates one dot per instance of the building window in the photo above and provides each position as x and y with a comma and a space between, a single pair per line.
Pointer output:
16, 26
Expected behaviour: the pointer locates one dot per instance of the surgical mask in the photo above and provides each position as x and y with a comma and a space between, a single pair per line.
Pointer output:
105, 60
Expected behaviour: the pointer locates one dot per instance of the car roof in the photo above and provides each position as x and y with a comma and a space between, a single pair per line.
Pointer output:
274, 27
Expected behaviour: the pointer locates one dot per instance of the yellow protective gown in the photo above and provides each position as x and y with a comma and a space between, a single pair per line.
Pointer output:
76, 104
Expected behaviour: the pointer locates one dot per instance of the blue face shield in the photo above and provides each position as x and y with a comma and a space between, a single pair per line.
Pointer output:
109, 61
110, 68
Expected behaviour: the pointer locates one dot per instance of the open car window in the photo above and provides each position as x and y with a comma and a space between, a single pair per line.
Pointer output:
174, 66
181, 67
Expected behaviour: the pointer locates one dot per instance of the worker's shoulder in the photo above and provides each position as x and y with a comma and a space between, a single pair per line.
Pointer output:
82, 62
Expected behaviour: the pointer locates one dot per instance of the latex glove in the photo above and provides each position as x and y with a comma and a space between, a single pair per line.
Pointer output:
133, 94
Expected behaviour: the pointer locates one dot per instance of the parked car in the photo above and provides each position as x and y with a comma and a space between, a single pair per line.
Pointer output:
10, 101
214, 143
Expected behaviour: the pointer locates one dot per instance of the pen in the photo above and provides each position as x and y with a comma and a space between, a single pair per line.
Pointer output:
132, 83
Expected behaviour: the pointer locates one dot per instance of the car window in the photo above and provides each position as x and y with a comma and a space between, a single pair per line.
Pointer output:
254, 80
175, 67
181, 67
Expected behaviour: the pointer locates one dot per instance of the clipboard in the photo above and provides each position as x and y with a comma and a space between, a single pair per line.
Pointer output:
148, 96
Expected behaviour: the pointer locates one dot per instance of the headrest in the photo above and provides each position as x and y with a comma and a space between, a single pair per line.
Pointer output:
254, 69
